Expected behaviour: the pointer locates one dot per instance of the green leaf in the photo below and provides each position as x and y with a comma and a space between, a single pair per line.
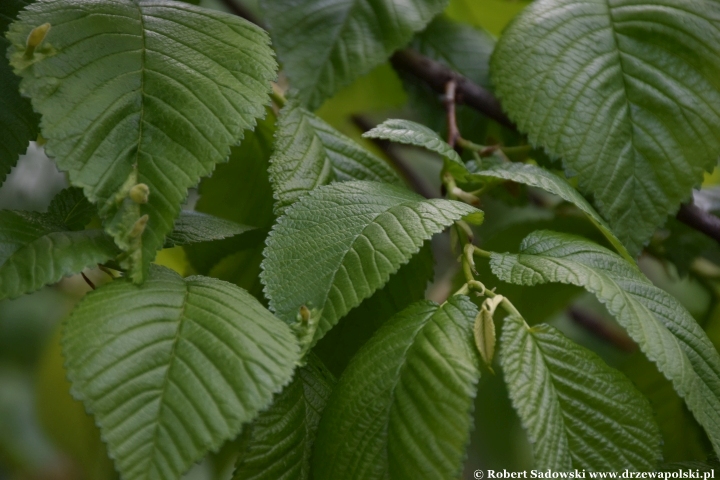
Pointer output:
405, 286
579, 412
239, 191
309, 153
340, 243
663, 329
173, 368
626, 92
540, 178
37, 249
72, 209
141, 92
196, 227
237, 261
282, 437
411, 133
402, 408
18, 122
325, 46
485, 339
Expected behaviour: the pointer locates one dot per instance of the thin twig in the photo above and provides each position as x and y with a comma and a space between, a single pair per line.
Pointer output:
416, 182
449, 101
87, 280
437, 75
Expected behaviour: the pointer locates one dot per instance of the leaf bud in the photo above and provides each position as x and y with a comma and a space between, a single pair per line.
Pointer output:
140, 193
139, 226
484, 333
35, 38
304, 314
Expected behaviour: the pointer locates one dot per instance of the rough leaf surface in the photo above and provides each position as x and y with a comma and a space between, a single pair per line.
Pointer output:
147, 91
309, 153
18, 122
402, 408
325, 45
627, 92
579, 412
663, 329
339, 244
282, 437
173, 368
540, 178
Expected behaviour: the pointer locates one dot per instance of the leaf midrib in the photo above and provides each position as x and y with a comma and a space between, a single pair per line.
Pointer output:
628, 103
554, 393
143, 61
166, 381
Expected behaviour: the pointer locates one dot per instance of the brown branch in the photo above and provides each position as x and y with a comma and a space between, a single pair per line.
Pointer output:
702, 221
437, 75
418, 183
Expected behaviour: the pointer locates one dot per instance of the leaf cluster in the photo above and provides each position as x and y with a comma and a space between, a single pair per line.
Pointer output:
303, 328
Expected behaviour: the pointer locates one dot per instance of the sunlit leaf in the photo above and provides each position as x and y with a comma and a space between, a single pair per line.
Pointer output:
173, 368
